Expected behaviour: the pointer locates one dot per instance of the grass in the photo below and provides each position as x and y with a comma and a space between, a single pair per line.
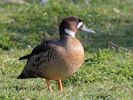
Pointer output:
22, 25
105, 75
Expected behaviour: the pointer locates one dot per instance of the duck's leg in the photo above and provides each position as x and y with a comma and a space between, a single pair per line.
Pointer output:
60, 85
48, 84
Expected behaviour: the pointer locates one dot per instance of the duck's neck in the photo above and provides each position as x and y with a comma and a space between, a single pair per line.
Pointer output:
71, 43
66, 37
69, 32
66, 32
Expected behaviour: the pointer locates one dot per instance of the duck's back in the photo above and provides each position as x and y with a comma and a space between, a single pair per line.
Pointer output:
54, 59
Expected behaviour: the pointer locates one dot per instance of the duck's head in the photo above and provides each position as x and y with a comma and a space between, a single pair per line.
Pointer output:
71, 25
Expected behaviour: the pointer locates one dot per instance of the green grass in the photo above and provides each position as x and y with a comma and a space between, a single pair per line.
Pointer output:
22, 25
105, 74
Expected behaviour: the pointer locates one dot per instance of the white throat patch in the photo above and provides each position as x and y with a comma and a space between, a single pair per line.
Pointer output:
80, 24
70, 32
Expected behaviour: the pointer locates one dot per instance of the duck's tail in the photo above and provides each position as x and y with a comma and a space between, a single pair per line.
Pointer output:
21, 76
24, 57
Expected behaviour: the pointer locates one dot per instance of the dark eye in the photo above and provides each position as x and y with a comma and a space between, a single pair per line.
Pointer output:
80, 20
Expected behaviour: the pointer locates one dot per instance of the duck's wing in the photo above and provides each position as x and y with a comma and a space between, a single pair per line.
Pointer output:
42, 47
40, 54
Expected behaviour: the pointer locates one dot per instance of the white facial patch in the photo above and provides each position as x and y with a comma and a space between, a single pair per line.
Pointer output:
70, 32
80, 24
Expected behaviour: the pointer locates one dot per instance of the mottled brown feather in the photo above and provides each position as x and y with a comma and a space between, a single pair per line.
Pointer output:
54, 59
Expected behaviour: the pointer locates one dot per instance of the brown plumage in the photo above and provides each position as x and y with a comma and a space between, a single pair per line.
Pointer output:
56, 60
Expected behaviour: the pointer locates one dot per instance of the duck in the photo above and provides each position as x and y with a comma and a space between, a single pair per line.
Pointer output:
57, 59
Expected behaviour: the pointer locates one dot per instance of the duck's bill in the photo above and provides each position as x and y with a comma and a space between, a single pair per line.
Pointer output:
85, 29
